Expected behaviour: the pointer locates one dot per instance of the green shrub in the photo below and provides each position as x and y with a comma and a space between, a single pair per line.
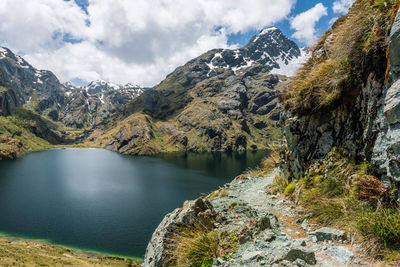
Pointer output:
290, 189
279, 183
384, 224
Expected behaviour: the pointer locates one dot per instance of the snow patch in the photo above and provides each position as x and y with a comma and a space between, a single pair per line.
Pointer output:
292, 66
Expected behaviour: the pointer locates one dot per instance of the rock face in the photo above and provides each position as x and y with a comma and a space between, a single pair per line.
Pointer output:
365, 121
386, 151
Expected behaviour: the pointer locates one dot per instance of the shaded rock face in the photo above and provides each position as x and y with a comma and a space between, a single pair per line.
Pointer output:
350, 125
39, 90
7, 102
386, 151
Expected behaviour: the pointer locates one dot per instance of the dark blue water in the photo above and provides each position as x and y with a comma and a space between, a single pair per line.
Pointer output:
99, 200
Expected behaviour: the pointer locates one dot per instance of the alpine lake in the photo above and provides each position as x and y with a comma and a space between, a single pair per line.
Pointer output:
101, 201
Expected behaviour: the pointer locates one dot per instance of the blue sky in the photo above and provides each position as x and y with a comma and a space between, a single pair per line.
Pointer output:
141, 41
301, 6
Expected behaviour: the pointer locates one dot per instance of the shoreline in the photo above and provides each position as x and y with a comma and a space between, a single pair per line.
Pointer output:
15, 249
48, 242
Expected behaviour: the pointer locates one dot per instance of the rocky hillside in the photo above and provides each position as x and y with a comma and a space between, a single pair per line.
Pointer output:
222, 100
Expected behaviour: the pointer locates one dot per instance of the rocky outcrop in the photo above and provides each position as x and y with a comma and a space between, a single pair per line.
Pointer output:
193, 213
386, 151
364, 121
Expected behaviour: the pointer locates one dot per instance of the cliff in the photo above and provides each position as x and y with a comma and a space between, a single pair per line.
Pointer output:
346, 97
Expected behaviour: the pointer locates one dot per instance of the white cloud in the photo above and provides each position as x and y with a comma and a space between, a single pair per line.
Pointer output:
342, 6
304, 23
127, 41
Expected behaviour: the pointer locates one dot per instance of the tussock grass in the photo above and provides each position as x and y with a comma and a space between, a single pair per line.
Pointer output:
355, 46
343, 193
194, 246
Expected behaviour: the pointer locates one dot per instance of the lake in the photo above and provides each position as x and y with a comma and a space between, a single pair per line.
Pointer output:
97, 200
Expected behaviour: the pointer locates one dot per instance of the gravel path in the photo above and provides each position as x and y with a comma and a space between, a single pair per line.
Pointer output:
266, 226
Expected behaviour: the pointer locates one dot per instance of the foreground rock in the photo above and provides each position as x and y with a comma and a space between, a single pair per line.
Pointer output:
265, 226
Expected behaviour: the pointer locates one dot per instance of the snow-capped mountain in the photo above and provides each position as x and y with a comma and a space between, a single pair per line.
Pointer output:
39, 90
270, 48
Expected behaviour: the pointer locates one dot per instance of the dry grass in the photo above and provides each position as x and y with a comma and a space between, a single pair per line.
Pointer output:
193, 246
219, 193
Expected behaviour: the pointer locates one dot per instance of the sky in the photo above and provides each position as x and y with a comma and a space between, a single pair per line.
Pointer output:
141, 41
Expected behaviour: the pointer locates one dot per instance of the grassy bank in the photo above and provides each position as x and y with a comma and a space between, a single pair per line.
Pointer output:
18, 251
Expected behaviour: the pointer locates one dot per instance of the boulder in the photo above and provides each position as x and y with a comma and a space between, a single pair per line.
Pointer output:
196, 212
340, 254
327, 233
248, 257
301, 253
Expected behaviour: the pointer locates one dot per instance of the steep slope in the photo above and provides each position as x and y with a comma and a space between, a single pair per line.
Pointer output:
338, 98
222, 100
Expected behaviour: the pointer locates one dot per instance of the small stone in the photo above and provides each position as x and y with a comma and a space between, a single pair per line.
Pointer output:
301, 253
309, 215
304, 224
251, 256
340, 254
269, 236
327, 233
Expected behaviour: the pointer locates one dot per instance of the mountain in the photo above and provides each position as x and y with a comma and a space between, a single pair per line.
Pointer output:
40, 91
94, 103
23, 84
224, 100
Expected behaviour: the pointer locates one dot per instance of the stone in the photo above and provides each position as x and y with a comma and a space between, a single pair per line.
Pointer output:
301, 253
340, 254
304, 224
248, 257
327, 233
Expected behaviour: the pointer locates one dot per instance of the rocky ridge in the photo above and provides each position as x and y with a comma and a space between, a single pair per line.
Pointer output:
268, 229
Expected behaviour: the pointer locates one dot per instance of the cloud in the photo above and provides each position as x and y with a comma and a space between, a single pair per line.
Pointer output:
123, 41
304, 23
342, 6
